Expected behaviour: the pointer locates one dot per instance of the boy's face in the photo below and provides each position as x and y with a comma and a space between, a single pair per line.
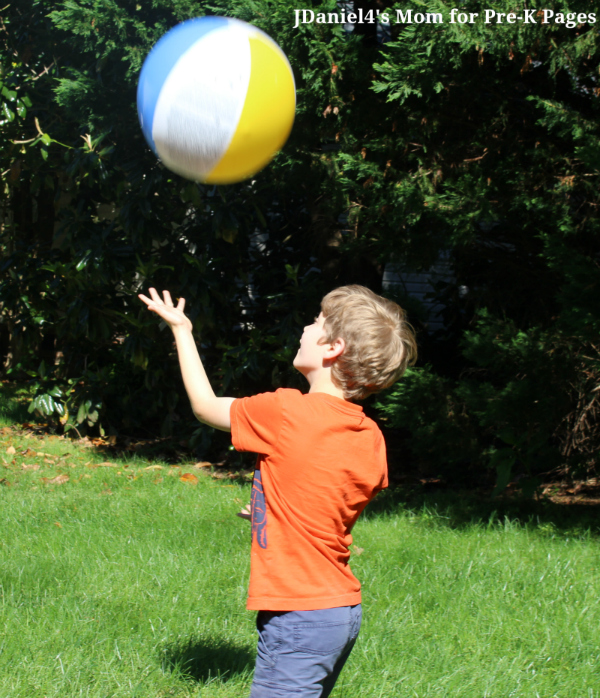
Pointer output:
311, 354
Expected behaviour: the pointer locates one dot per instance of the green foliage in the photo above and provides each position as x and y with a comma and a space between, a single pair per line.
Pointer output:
498, 154
477, 141
71, 403
105, 220
442, 435
513, 408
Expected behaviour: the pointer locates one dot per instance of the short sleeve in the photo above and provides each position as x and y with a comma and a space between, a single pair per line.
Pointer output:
381, 456
256, 422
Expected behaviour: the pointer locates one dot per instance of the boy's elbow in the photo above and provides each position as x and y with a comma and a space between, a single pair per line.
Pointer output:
214, 413
215, 424
204, 416
203, 409
199, 416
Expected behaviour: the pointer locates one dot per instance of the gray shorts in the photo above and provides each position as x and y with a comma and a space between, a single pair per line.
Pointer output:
301, 653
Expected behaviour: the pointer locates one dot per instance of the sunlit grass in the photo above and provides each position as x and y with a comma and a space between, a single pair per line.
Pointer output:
484, 610
128, 581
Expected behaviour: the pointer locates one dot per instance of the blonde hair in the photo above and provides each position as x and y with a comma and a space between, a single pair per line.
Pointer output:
380, 343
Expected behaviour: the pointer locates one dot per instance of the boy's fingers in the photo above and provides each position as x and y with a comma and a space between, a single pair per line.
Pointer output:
150, 303
155, 297
157, 302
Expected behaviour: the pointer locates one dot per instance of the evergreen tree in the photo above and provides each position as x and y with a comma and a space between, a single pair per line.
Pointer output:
477, 141
496, 161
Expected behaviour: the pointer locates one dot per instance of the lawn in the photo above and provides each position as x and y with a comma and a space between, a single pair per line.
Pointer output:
124, 577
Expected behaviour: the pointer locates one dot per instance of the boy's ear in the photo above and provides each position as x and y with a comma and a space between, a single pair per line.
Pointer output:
335, 349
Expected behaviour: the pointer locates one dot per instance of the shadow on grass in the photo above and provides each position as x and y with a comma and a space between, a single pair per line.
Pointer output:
458, 509
202, 660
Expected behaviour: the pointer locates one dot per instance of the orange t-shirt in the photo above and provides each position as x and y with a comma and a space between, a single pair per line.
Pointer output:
321, 460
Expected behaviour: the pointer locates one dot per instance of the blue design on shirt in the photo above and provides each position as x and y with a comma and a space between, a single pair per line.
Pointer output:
259, 511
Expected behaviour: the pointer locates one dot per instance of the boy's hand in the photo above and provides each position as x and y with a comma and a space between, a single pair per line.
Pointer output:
173, 316
208, 408
246, 513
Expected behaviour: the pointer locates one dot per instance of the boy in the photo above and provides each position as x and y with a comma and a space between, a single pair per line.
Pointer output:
320, 462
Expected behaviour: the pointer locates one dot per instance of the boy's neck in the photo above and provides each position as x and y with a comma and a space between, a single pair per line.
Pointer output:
323, 384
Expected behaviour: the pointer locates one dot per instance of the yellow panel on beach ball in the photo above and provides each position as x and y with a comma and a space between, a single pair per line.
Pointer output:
267, 115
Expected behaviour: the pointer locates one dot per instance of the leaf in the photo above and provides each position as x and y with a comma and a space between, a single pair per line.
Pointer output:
33, 466
189, 478
107, 464
5, 482
83, 261
223, 476
46, 404
11, 450
81, 412
65, 417
58, 480
202, 464
7, 113
229, 234
10, 95
154, 467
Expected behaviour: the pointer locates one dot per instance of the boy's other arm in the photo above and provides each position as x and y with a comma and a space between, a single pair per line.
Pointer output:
207, 407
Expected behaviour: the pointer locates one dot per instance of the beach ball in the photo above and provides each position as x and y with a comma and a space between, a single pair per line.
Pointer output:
216, 99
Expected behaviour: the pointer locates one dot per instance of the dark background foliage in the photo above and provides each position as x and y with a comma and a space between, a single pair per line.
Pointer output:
476, 143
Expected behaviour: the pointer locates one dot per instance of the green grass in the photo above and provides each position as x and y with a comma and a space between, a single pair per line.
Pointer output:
124, 581
485, 610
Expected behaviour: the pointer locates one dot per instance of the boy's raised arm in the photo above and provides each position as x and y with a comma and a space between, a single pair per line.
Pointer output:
207, 407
